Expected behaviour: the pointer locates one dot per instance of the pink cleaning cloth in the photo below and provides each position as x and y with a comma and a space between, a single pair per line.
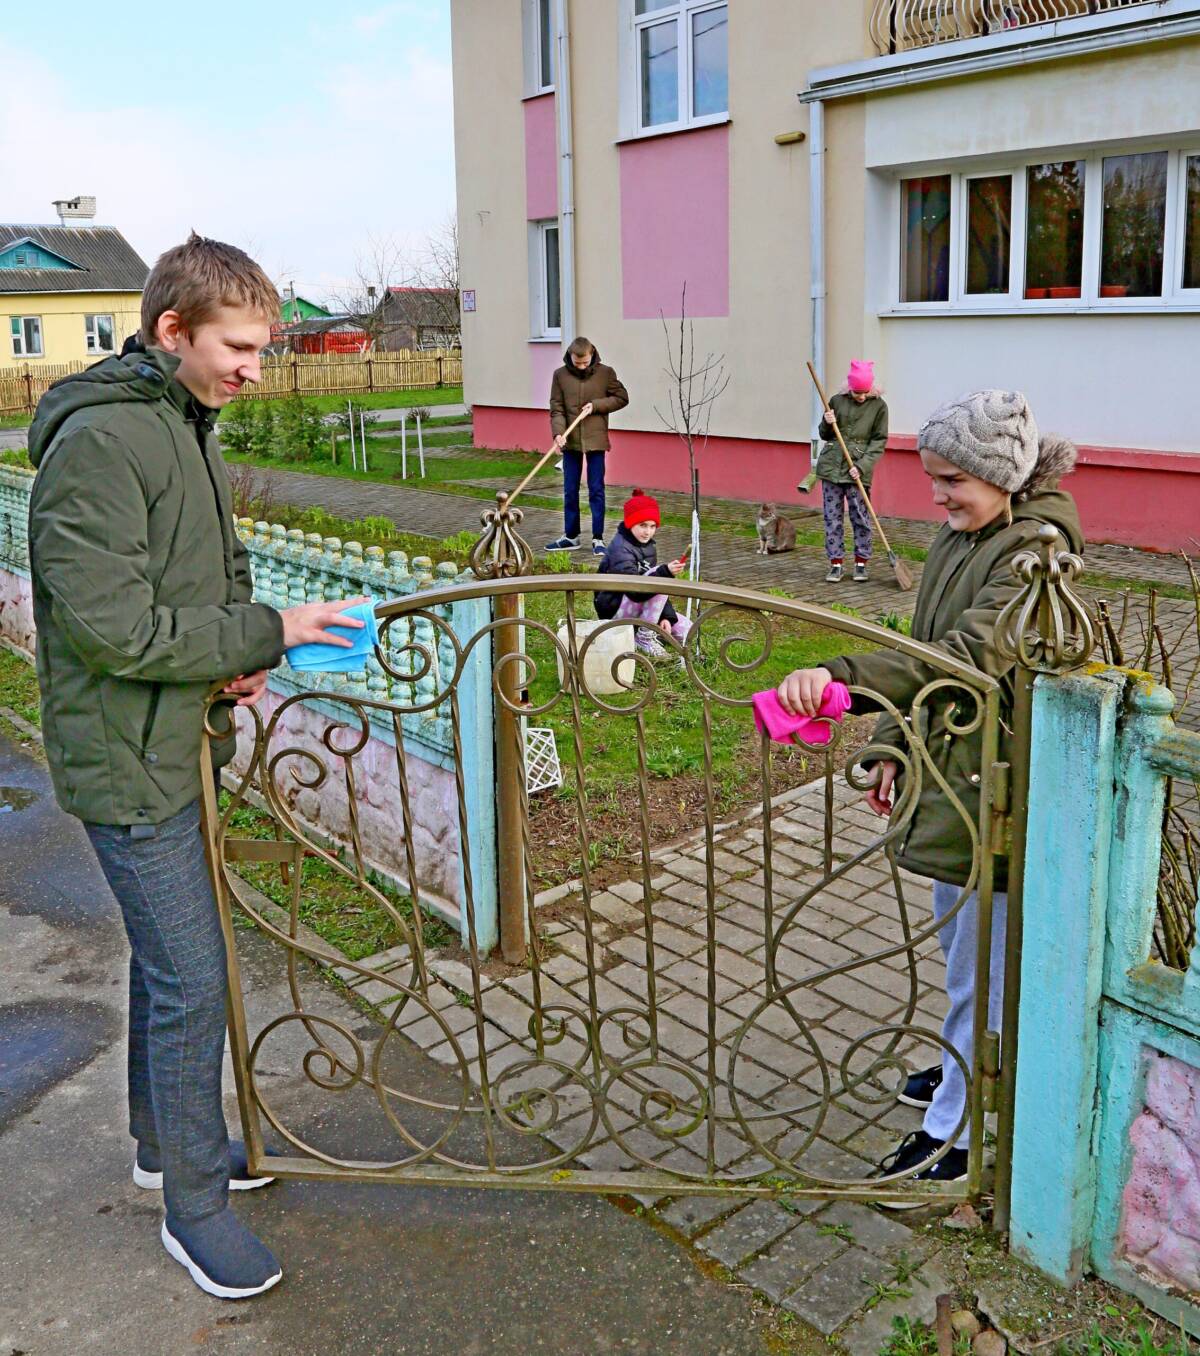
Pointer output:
770, 716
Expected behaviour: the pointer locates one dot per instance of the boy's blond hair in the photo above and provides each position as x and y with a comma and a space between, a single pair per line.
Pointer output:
200, 276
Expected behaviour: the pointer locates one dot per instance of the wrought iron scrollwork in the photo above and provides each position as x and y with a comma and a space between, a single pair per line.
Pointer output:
1046, 627
501, 552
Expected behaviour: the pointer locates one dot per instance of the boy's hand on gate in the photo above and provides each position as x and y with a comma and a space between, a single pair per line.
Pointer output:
879, 797
801, 691
305, 625
248, 688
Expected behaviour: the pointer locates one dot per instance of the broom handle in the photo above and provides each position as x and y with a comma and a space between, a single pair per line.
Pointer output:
549, 452
866, 498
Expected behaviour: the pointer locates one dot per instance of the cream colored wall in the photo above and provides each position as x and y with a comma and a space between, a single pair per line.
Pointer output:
765, 338
489, 155
62, 315
1140, 92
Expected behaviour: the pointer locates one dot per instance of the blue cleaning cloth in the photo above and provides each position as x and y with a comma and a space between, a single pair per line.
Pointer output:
317, 657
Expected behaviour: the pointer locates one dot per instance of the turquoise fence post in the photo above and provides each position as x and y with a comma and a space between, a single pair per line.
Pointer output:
477, 725
1071, 782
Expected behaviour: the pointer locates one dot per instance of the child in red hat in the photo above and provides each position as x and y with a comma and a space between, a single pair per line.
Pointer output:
632, 551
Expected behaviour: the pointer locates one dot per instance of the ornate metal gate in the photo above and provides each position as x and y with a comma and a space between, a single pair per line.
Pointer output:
733, 1010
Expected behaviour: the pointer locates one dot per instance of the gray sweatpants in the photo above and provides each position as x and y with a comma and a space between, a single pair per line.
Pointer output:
958, 939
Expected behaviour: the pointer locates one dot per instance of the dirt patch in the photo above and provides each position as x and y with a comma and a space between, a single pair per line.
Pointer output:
674, 806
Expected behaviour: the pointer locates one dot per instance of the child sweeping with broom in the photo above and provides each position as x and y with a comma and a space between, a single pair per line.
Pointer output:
860, 413
996, 481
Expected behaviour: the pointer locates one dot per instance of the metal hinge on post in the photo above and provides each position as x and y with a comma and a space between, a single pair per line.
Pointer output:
1001, 807
990, 1068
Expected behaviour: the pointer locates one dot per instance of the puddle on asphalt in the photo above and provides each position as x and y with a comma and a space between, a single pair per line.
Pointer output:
14, 798
42, 1043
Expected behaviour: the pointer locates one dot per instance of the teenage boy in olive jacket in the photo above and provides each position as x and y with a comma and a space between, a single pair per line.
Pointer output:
142, 603
583, 385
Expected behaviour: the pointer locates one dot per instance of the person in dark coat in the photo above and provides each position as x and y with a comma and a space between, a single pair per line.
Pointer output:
632, 551
996, 478
583, 385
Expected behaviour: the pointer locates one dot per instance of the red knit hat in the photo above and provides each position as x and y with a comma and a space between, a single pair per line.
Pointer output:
641, 508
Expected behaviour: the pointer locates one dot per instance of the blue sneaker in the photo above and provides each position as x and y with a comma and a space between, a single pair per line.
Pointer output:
147, 1169
598, 546
563, 543
222, 1256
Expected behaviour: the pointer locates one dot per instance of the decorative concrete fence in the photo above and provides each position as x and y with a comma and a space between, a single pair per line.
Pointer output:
291, 568
1106, 1158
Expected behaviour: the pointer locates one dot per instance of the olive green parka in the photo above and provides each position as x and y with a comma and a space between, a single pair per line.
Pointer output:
864, 428
141, 589
966, 583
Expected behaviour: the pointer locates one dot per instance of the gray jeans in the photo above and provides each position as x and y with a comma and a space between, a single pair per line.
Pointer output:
958, 938
177, 985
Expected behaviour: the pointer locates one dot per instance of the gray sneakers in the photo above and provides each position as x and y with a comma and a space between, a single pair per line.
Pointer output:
835, 573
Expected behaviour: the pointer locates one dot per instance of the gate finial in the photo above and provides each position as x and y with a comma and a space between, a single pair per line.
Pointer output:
501, 552
1046, 627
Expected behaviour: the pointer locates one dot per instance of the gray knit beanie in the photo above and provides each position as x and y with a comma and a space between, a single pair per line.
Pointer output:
989, 434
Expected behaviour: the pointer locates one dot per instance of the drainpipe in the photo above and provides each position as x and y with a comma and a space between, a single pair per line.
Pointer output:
566, 170
816, 250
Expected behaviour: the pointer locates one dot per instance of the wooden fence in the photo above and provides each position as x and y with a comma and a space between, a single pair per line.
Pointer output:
307, 374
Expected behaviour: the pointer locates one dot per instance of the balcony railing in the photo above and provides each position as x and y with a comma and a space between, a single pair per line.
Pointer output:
902, 25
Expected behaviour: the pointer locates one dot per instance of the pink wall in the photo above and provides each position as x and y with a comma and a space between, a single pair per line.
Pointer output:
675, 224
541, 159
1126, 495
1160, 1227
543, 359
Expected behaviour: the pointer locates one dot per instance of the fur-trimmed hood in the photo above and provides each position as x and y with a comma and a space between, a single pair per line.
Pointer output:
1056, 458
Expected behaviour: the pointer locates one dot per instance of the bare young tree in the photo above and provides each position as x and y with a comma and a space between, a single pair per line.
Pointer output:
380, 267
693, 389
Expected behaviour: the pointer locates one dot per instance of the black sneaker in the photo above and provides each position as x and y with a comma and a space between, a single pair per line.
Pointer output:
921, 1086
563, 543
222, 1256
147, 1169
914, 1150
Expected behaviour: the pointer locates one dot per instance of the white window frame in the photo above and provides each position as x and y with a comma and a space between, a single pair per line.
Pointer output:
1174, 294
91, 334
681, 12
19, 343
533, 41
539, 320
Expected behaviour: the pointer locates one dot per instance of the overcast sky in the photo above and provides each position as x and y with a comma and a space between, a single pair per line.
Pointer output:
300, 129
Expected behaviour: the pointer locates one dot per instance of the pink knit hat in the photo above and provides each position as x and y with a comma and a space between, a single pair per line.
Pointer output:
862, 375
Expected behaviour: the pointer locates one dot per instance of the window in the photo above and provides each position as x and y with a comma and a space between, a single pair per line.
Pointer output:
538, 40
1135, 217
925, 239
98, 330
1092, 231
1191, 224
989, 234
27, 336
24, 259
682, 62
1054, 230
545, 46
545, 286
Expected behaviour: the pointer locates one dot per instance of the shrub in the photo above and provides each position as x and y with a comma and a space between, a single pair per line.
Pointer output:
299, 434
237, 427
262, 431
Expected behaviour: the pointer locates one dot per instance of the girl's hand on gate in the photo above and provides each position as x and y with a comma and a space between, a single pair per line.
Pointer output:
665, 627
800, 692
879, 797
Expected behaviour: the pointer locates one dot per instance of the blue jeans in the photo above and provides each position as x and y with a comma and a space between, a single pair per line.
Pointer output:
958, 938
177, 986
572, 471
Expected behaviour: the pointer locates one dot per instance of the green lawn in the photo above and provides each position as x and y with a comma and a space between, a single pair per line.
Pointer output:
386, 400
18, 686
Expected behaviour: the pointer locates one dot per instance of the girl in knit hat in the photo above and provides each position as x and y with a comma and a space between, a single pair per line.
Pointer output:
996, 480
632, 551
861, 414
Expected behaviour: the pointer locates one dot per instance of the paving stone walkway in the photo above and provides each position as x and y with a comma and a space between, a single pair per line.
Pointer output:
830, 1264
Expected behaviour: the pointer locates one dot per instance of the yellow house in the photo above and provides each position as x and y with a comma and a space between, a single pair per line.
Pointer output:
67, 293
